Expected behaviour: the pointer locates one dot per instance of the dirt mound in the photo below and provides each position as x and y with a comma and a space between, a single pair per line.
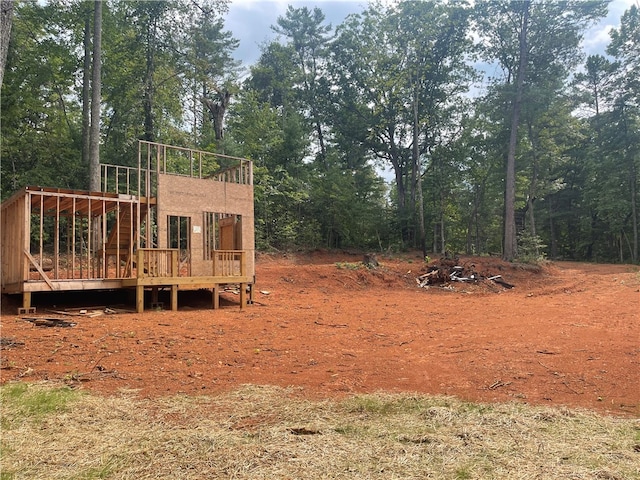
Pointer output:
485, 273
331, 272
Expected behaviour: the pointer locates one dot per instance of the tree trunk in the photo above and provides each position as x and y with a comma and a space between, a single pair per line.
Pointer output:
553, 244
86, 88
94, 165
399, 176
471, 243
634, 211
217, 110
417, 174
510, 237
6, 19
148, 88
533, 185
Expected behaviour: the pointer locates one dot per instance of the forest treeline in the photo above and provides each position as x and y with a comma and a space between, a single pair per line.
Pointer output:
444, 126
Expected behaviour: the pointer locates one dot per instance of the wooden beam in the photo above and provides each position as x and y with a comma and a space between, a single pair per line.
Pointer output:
39, 268
167, 281
64, 285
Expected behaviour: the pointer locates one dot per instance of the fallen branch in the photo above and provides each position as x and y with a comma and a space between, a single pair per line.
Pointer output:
498, 384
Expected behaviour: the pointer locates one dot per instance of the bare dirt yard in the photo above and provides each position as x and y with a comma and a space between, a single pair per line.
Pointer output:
566, 334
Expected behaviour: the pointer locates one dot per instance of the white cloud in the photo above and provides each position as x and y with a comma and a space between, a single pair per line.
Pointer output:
597, 37
250, 21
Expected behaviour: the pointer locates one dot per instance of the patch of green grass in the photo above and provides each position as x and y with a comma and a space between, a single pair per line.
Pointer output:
349, 266
348, 429
391, 405
96, 473
22, 400
463, 473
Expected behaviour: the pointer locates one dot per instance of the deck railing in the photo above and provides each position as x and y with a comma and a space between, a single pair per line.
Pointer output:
241, 173
229, 263
157, 262
156, 158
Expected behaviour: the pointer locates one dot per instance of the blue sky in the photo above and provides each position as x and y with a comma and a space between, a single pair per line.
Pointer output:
250, 22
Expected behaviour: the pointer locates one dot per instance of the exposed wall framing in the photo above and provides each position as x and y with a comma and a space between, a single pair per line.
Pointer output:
56, 239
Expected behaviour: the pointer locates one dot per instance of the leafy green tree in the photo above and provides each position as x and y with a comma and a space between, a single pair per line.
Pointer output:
533, 42
400, 69
39, 128
309, 38
592, 85
210, 69
625, 46
258, 131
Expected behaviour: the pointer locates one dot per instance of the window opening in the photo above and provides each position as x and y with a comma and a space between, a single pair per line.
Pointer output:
179, 229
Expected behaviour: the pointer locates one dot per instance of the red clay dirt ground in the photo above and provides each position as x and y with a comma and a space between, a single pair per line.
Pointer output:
567, 334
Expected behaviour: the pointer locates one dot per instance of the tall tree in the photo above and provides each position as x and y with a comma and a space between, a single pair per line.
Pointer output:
625, 46
96, 86
530, 40
6, 20
435, 41
86, 83
211, 69
40, 140
308, 36
366, 70
400, 68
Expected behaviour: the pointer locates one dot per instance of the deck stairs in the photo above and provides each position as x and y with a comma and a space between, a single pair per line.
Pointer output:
122, 236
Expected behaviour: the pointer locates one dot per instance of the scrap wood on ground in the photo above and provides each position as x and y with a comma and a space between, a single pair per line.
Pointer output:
447, 270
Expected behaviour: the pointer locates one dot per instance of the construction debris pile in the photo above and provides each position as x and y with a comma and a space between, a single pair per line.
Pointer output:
59, 319
446, 271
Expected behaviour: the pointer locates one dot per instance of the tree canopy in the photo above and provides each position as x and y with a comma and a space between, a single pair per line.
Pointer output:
449, 127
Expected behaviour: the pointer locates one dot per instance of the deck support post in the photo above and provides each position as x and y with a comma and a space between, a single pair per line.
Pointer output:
26, 301
154, 295
174, 298
140, 298
243, 295
216, 296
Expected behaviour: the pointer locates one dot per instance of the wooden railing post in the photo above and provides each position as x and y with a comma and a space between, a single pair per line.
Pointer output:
139, 263
174, 263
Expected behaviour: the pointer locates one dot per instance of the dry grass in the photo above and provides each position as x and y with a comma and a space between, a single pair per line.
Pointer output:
271, 433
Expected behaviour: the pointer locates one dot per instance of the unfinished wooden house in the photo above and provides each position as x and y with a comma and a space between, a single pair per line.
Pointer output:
181, 219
